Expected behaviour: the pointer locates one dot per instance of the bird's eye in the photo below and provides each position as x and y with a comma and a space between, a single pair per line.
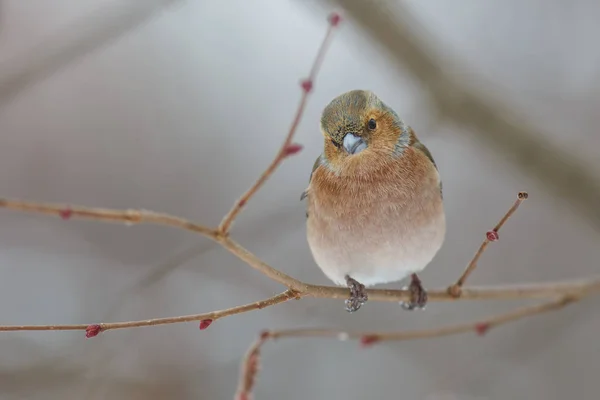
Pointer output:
336, 144
372, 124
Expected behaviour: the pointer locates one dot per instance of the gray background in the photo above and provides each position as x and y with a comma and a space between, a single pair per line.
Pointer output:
177, 106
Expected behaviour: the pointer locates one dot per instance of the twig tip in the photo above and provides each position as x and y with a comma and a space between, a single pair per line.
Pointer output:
334, 19
523, 196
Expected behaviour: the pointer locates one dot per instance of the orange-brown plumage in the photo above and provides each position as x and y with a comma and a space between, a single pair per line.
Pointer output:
375, 215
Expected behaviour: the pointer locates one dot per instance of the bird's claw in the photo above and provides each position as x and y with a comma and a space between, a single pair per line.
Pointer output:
358, 297
418, 295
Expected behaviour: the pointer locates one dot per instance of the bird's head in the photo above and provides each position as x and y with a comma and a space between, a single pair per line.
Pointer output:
360, 130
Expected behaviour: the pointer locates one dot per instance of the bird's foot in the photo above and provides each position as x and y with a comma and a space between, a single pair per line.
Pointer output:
358, 297
418, 295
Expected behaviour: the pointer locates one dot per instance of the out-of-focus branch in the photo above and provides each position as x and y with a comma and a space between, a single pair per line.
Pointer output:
73, 42
480, 327
250, 364
249, 369
392, 25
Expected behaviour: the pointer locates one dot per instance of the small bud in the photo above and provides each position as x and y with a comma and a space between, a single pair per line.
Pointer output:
292, 149
368, 340
264, 335
307, 85
523, 195
334, 19
242, 202
92, 330
492, 236
482, 328
205, 323
66, 213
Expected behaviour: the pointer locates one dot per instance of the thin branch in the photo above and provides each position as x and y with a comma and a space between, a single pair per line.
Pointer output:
207, 318
535, 291
127, 217
249, 369
510, 292
286, 149
261, 266
491, 236
249, 365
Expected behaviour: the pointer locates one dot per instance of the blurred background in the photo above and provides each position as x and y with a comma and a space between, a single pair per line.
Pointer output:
177, 106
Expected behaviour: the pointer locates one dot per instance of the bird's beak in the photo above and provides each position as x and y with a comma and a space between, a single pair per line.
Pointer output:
354, 144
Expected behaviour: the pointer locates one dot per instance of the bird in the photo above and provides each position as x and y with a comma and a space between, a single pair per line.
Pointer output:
374, 202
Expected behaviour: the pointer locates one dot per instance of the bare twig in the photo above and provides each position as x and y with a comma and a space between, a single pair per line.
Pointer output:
261, 266
532, 291
249, 369
127, 217
491, 236
287, 148
206, 318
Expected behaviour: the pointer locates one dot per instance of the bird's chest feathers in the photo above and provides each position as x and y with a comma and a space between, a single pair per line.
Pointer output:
376, 227
396, 192
354, 204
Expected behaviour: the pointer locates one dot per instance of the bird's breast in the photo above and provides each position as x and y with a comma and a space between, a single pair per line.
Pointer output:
375, 231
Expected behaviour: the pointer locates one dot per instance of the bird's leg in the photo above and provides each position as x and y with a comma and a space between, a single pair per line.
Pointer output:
418, 295
358, 297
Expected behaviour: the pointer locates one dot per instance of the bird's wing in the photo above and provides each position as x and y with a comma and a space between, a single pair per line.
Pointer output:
315, 166
421, 147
